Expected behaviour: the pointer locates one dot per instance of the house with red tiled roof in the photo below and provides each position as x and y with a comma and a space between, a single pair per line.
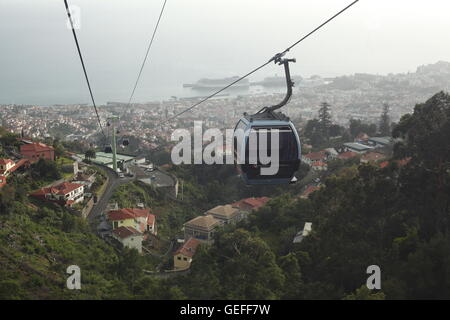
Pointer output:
400, 163
308, 191
319, 166
5, 166
8, 166
66, 193
182, 258
372, 157
347, 155
36, 150
315, 156
251, 204
139, 219
129, 237
22, 163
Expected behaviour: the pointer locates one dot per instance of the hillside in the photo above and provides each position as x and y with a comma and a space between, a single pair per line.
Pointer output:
396, 217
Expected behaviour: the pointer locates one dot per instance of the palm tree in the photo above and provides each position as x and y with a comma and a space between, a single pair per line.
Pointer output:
89, 154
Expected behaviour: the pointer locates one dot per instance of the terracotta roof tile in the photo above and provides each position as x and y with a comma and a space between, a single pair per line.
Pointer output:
61, 189
319, 164
36, 146
127, 213
373, 156
347, 155
321, 155
189, 247
203, 222
253, 203
125, 232
309, 190
6, 161
64, 188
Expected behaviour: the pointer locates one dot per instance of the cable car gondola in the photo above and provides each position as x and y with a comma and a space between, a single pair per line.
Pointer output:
250, 133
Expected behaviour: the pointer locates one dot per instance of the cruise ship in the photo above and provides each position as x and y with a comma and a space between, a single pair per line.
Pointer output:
277, 81
214, 84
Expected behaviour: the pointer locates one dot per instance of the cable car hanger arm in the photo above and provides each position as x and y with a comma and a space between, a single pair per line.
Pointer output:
289, 83
274, 58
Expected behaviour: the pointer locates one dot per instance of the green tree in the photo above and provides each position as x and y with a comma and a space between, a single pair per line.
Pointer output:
293, 283
325, 120
385, 121
129, 265
10, 290
45, 169
313, 132
9, 139
364, 293
89, 154
356, 127
7, 197
249, 269
424, 138
336, 130
59, 148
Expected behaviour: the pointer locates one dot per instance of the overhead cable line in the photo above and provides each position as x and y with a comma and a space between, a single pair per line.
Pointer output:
146, 55
275, 58
217, 92
83, 65
143, 64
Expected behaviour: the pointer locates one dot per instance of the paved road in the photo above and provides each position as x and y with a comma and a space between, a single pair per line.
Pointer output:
155, 177
161, 180
113, 182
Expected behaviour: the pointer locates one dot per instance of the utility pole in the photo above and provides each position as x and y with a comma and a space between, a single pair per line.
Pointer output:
113, 120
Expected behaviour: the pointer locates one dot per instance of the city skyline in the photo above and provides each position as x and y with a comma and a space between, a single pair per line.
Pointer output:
373, 37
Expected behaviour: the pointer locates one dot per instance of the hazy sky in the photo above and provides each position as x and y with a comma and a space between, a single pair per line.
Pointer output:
205, 38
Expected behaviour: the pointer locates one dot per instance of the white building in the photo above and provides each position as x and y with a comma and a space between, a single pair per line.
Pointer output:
129, 237
66, 193
5, 166
303, 233
357, 147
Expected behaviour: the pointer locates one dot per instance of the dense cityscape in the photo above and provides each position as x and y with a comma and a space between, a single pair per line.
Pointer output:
360, 96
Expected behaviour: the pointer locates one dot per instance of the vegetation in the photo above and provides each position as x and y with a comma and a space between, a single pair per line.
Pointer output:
89, 154
385, 122
46, 170
356, 127
320, 131
396, 217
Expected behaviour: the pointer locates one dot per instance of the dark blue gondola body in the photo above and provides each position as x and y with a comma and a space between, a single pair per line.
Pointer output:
289, 150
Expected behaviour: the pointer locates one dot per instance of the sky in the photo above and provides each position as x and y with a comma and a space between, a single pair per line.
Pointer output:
205, 38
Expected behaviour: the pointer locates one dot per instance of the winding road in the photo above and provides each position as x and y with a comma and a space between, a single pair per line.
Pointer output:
113, 182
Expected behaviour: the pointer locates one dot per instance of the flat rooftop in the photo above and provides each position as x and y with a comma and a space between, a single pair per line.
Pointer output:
107, 158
